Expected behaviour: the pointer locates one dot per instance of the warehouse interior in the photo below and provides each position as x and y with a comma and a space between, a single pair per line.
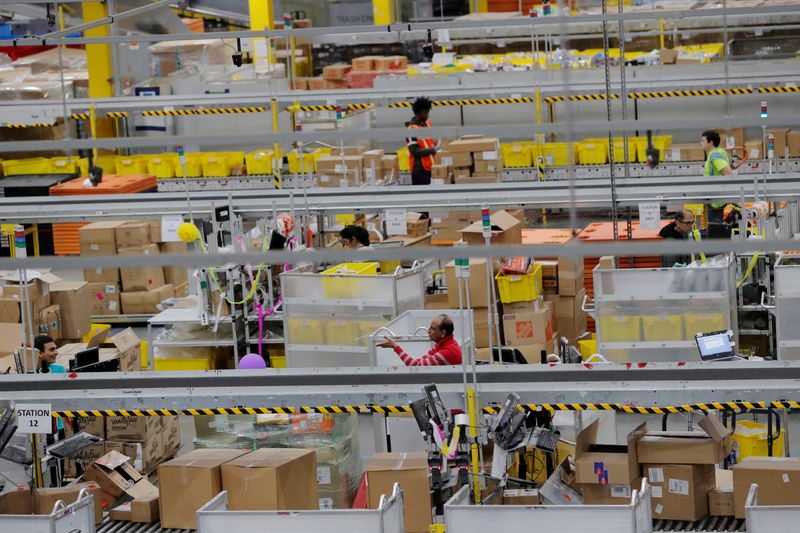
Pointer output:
239, 288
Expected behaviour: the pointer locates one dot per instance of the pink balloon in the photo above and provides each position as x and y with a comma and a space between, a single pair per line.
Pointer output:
252, 361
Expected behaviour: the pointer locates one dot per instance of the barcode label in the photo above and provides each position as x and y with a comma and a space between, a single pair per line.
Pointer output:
679, 486
656, 475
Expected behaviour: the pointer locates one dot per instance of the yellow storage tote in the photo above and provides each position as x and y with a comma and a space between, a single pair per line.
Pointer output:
660, 143
31, 165
340, 281
183, 363
64, 165
194, 166
619, 150
259, 162
402, 159
557, 154
300, 163
593, 151
220, 164
342, 332
162, 165
614, 328
305, 331
517, 155
277, 361
588, 347
94, 329
520, 287
662, 328
704, 323
131, 164
108, 162
750, 438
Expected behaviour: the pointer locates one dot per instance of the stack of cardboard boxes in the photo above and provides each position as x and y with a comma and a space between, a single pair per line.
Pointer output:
354, 165
147, 440
46, 313
360, 74
129, 290
470, 159
119, 480
563, 287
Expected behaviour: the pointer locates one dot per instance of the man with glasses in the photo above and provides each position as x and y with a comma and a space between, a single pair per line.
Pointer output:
445, 351
679, 229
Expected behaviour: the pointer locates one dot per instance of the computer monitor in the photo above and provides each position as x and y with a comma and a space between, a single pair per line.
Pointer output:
84, 358
715, 345
7, 426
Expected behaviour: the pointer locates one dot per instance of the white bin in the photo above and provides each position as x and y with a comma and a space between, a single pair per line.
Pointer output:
78, 517
769, 518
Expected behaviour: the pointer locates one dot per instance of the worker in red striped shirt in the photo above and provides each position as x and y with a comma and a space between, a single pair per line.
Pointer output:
446, 350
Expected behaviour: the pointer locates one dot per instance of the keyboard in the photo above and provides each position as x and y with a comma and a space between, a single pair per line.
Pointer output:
545, 439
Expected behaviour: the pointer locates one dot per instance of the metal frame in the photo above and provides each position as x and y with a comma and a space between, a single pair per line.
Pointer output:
769, 519
77, 516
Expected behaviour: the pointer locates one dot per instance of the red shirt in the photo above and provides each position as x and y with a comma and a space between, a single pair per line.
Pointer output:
446, 352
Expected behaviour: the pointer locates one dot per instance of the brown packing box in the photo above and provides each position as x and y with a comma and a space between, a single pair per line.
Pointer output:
144, 455
335, 72
48, 321
16, 502
339, 164
94, 425
271, 480
480, 326
188, 482
317, 84
474, 145
140, 511
478, 295
133, 234
793, 142
521, 497
170, 435
684, 152
38, 289
348, 150
668, 56
720, 499
754, 149
141, 278
417, 224
99, 238
116, 476
453, 159
679, 492
300, 84
505, 230
440, 172
735, 134
610, 494
10, 311
45, 499
477, 179
570, 276
613, 464
436, 301
780, 140
778, 480
531, 352
145, 302
488, 167
389, 162
461, 173
132, 428
534, 326
105, 298
390, 63
707, 447
174, 275
75, 300
364, 63
410, 470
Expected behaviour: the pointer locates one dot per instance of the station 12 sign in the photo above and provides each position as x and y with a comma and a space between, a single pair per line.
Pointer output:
34, 417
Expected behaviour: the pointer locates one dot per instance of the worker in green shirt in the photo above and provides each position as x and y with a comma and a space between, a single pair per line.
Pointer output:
718, 163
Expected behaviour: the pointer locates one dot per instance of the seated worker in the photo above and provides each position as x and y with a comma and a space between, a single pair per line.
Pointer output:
48, 351
680, 229
445, 352
354, 237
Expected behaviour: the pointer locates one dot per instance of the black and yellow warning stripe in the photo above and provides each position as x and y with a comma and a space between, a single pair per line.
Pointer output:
698, 92
330, 107
792, 89
111, 114
579, 98
396, 409
31, 125
208, 111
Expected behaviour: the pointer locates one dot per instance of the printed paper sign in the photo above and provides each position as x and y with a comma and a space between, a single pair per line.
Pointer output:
169, 228
650, 215
396, 222
34, 418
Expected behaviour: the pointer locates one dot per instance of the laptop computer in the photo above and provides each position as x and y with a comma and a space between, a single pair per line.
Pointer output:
717, 346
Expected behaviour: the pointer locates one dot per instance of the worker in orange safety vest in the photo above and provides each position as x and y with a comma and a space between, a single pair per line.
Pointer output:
421, 150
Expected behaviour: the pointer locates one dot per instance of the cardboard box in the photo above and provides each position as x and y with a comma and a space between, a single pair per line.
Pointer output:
335, 72
132, 428
174, 275
521, 497
668, 56
778, 480
754, 149
94, 425
188, 482
707, 447
793, 142
781, 138
339, 164
505, 230
720, 499
611, 494
478, 289
145, 301
529, 327
300, 84
410, 470
599, 464
482, 144
116, 476
170, 435
144, 455
140, 510
453, 159
488, 167
417, 224
105, 298
141, 278
10, 311
390, 63
317, 84
389, 162
38, 292
684, 152
733, 136
364, 63
461, 173
133, 234
97, 239
16, 502
48, 321
75, 300
272, 479
45, 499
570, 276
679, 492
480, 326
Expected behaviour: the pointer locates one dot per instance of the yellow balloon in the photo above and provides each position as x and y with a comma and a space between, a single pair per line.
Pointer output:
188, 232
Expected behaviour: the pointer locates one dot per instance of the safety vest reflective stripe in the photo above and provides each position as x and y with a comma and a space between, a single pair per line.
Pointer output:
716, 153
427, 160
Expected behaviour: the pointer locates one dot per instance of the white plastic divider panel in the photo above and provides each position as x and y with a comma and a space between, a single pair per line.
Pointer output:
214, 517
461, 517
77, 517
410, 329
787, 307
769, 518
653, 314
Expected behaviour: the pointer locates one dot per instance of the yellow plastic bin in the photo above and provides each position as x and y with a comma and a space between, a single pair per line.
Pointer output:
305, 331
704, 323
340, 281
662, 328
660, 143
162, 165
342, 332
588, 347
183, 363
750, 439
520, 287
620, 328
277, 361
131, 164
402, 159
593, 151
619, 150
557, 154
259, 162
31, 165
94, 329
144, 354
64, 165
517, 154
194, 166
220, 164
301, 163
108, 162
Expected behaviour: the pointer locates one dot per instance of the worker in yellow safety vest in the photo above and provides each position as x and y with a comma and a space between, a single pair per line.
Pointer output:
718, 163
421, 150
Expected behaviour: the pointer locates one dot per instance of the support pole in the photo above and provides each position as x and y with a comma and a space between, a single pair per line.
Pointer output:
98, 58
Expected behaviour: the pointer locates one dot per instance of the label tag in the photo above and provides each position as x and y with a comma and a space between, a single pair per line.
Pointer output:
325, 504
656, 491
679, 486
620, 491
656, 475
323, 475
34, 418
490, 155
659, 509
447, 161
396, 222
785, 478
169, 228
650, 215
